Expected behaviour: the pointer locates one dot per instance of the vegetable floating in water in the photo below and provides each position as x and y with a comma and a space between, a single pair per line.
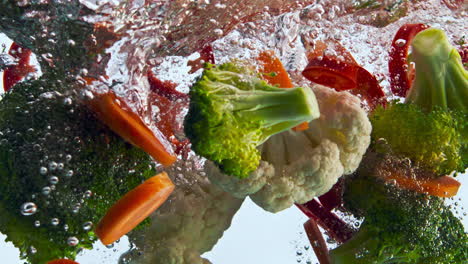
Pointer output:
232, 111
134, 207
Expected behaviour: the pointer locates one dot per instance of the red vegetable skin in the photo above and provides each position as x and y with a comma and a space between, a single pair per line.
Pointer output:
401, 76
341, 72
62, 261
16, 73
166, 89
334, 197
337, 71
206, 55
317, 241
336, 228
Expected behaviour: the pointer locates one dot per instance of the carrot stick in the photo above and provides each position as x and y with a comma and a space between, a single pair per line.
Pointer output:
444, 186
280, 77
316, 241
62, 261
134, 207
118, 116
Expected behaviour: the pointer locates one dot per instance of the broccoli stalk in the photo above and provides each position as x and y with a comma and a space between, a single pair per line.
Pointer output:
233, 111
441, 81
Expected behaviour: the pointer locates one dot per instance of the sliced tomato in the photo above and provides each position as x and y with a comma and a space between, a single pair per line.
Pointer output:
14, 74
401, 75
134, 207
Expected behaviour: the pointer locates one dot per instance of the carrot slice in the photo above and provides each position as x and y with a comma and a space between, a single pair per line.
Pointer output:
123, 121
280, 77
134, 207
317, 241
444, 186
62, 261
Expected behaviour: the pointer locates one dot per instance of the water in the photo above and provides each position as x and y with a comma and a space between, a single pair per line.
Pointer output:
162, 36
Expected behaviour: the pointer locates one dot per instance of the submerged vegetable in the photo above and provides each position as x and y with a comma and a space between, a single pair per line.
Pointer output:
134, 207
60, 168
399, 226
232, 112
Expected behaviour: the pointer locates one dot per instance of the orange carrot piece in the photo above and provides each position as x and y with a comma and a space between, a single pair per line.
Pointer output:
62, 261
271, 64
134, 207
444, 186
123, 121
276, 74
317, 241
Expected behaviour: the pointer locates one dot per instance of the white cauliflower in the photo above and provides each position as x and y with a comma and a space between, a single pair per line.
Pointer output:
188, 224
298, 166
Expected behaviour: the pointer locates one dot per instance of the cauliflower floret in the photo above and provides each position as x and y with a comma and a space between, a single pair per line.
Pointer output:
343, 121
298, 166
188, 224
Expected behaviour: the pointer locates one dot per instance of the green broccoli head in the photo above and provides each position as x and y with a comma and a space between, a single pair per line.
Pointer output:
399, 226
232, 111
434, 140
441, 81
56, 155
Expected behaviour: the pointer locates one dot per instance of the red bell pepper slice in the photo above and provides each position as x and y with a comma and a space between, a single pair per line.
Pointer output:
342, 72
165, 89
316, 241
206, 55
14, 74
333, 225
401, 76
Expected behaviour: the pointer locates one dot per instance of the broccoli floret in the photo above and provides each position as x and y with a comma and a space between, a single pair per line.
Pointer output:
441, 81
232, 111
399, 226
55, 154
433, 140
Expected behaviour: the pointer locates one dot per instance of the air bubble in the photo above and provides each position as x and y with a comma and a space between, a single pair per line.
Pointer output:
43, 170
88, 194
53, 180
54, 221
28, 208
69, 173
400, 42
32, 250
52, 165
87, 226
46, 190
72, 241
37, 223
60, 166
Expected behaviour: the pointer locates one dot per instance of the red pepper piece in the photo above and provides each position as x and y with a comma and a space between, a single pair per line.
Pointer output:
14, 74
166, 89
206, 55
334, 197
336, 228
341, 72
167, 121
316, 241
400, 73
